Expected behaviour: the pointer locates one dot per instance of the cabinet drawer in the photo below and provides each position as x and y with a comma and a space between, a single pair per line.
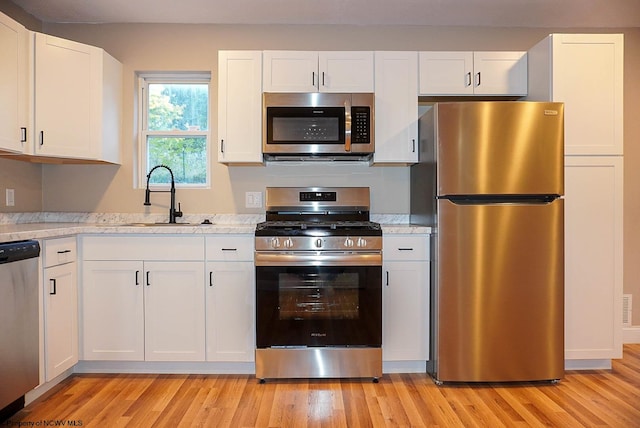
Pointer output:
230, 247
405, 247
59, 251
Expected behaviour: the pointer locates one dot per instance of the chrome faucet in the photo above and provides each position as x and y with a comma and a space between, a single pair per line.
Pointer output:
173, 213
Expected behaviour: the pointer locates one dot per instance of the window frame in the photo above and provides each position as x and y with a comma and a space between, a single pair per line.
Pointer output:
183, 77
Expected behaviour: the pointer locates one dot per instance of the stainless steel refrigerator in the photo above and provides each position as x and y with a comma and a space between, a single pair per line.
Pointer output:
490, 181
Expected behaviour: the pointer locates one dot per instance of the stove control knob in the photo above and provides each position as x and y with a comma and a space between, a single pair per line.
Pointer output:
318, 243
288, 243
362, 242
275, 243
348, 242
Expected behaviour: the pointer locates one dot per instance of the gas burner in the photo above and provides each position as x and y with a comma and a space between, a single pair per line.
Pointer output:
317, 212
300, 228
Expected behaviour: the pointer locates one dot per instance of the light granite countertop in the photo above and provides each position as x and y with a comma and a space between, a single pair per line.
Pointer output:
50, 226
17, 232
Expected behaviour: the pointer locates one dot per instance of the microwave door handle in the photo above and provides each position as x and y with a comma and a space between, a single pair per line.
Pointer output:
347, 125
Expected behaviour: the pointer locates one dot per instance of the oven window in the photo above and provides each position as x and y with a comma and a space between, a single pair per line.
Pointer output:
318, 306
319, 295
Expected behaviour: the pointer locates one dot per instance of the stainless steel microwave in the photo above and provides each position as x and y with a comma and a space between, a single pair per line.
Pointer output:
318, 126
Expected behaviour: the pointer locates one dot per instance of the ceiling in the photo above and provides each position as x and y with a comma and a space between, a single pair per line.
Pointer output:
492, 13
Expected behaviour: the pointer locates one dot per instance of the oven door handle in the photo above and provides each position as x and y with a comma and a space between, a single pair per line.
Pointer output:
318, 258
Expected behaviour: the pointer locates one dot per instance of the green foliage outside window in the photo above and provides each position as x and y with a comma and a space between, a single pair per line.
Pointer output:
177, 125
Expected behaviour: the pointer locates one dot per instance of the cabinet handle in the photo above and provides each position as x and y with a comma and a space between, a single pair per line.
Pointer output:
210, 279
468, 79
42, 138
313, 78
478, 78
387, 284
53, 280
405, 249
229, 249
222, 146
323, 78
23, 135
413, 142
64, 251
137, 277
148, 283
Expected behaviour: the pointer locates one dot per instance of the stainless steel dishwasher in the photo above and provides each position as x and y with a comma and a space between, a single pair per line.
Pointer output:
18, 323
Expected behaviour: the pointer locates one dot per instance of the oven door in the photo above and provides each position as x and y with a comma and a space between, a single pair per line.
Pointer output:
318, 302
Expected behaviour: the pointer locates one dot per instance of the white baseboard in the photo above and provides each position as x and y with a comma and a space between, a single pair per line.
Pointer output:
631, 334
41, 390
404, 366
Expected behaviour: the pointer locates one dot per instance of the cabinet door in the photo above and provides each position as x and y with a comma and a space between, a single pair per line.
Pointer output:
174, 311
290, 71
396, 92
593, 257
60, 319
230, 311
588, 77
64, 109
112, 310
240, 106
500, 73
345, 71
446, 73
13, 85
405, 304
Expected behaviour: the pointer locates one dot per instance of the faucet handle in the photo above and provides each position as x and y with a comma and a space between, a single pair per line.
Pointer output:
178, 212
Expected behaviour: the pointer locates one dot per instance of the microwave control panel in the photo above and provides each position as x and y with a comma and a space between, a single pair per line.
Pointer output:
360, 124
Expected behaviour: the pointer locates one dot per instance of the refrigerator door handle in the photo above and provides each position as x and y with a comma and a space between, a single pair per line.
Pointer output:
500, 199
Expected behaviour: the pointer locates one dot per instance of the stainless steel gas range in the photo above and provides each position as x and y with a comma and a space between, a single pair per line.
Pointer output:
318, 285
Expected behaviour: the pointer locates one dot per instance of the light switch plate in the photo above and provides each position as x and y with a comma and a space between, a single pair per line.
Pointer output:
10, 198
253, 200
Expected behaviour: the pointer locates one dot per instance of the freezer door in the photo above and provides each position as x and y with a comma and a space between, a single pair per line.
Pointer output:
500, 292
499, 148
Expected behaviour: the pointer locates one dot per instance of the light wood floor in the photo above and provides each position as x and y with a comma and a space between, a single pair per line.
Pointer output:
586, 398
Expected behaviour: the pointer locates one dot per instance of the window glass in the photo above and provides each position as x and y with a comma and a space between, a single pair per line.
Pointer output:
175, 129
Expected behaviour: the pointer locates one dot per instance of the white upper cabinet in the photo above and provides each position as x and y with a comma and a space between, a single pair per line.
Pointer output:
77, 101
13, 85
306, 71
473, 73
396, 96
585, 72
240, 106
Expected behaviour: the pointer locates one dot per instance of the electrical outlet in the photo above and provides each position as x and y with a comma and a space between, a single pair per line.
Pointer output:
10, 198
253, 200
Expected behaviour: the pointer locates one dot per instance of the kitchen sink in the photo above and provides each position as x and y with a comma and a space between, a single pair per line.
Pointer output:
156, 224
141, 224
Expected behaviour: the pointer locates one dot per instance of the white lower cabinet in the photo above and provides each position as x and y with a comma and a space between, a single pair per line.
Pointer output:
174, 311
60, 306
230, 298
405, 298
593, 257
149, 309
112, 310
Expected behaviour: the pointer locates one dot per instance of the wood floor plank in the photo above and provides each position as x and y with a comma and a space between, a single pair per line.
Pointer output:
595, 398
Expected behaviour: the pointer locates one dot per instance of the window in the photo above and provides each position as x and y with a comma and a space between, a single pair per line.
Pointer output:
174, 128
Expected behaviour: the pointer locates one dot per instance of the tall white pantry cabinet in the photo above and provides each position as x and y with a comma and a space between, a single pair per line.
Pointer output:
585, 71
